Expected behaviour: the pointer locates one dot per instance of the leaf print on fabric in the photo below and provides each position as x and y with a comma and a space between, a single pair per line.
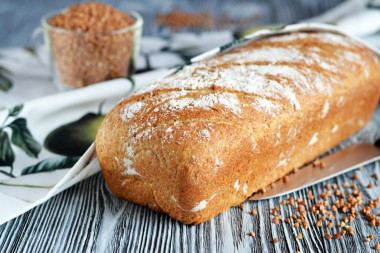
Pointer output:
7, 155
74, 138
22, 138
15, 111
51, 165
5, 82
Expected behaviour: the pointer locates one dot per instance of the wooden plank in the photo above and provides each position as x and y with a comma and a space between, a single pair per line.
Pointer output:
89, 218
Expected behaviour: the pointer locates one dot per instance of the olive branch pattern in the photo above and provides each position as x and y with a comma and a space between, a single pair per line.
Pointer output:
21, 137
5, 82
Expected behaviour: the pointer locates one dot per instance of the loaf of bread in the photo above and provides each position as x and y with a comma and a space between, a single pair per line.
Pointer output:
205, 138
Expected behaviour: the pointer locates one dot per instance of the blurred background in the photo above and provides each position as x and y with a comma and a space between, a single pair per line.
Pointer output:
18, 18
173, 32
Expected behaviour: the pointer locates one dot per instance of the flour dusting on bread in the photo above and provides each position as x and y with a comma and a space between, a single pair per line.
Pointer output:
313, 139
272, 72
129, 169
230, 125
130, 110
325, 109
328, 38
199, 206
207, 102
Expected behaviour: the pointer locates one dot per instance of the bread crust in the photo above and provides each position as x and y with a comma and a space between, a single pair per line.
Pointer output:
205, 138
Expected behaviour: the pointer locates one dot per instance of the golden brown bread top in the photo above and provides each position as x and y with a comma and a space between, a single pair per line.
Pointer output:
188, 132
266, 77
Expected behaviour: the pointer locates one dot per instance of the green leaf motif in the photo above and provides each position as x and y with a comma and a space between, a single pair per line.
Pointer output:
51, 165
5, 70
15, 111
5, 83
30, 50
22, 138
7, 156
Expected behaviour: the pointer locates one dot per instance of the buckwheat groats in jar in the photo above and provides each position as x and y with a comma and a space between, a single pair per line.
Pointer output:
94, 43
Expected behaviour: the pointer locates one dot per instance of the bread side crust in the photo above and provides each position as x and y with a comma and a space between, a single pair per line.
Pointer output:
194, 164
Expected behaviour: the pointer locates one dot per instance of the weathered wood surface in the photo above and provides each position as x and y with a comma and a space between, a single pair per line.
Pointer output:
88, 218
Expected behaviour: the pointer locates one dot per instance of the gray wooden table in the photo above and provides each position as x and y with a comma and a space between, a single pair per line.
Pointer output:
88, 218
